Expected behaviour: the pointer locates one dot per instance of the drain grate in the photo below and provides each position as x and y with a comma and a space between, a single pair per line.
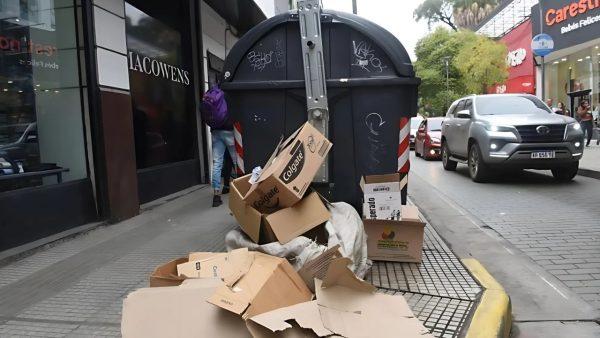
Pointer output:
439, 290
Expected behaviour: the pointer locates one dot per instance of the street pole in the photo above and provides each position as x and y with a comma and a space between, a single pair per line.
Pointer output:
447, 65
354, 10
543, 64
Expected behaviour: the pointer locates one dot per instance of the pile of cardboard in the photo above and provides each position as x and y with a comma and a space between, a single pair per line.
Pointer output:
242, 293
250, 294
271, 207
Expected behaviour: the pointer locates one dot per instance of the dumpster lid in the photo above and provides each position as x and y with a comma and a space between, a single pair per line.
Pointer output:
384, 39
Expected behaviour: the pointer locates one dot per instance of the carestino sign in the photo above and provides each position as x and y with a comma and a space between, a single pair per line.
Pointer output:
519, 60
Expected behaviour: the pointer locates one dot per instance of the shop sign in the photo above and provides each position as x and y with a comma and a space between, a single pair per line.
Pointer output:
160, 69
542, 44
569, 22
516, 57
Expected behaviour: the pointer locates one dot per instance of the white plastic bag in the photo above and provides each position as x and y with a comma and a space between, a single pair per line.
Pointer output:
345, 227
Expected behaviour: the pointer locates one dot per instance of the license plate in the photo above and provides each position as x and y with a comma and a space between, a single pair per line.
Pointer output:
542, 154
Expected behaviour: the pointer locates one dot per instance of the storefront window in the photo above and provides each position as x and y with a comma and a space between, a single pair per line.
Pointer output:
161, 84
41, 128
578, 74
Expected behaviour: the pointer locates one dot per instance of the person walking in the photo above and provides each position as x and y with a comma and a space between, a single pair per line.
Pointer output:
562, 109
586, 120
216, 116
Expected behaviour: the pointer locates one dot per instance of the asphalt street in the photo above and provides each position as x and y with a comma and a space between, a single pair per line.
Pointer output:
547, 233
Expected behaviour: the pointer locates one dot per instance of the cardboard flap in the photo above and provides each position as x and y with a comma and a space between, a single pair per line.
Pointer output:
249, 218
292, 222
317, 267
198, 256
284, 287
166, 274
305, 314
178, 311
268, 167
338, 274
238, 297
353, 313
227, 266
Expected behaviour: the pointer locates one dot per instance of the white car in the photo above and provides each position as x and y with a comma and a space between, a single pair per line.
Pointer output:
414, 126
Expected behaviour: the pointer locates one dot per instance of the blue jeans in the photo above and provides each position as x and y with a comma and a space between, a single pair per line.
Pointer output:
221, 140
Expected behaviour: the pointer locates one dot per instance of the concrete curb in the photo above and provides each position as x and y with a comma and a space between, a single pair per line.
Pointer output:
589, 173
493, 315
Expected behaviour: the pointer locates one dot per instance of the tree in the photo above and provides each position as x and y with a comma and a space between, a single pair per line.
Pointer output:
435, 11
475, 63
481, 61
455, 13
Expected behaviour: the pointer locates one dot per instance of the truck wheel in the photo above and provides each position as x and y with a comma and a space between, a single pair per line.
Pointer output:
566, 174
478, 170
446, 161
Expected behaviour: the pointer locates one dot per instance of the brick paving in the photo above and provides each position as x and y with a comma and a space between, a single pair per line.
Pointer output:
556, 224
76, 287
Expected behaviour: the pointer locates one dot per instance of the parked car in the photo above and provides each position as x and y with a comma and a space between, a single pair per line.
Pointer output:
19, 145
519, 131
414, 125
428, 141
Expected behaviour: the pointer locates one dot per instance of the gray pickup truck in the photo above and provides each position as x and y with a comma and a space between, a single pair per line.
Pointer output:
510, 131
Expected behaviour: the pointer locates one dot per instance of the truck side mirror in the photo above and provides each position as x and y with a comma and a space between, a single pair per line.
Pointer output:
464, 114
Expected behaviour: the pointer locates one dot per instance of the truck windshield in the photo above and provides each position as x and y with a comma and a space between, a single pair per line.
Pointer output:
504, 105
434, 124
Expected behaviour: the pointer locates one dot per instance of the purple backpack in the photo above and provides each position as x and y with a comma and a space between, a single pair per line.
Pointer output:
214, 108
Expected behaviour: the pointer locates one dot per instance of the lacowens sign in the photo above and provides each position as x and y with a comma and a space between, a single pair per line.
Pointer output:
153, 67
568, 22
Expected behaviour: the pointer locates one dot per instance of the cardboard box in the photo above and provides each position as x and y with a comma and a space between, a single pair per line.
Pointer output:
166, 274
382, 196
290, 170
270, 283
282, 225
344, 306
179, 311
228, 266
396, 241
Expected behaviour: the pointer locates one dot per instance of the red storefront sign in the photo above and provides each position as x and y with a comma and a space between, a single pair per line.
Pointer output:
521, 70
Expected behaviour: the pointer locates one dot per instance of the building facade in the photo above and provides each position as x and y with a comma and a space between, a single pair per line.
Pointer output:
572, 70
99, 106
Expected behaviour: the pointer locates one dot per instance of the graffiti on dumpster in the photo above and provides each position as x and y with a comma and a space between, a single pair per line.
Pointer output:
259, 60
279, 54
365, 58
374, 123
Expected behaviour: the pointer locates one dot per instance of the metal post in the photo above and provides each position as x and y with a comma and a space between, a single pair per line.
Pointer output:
309, 16
354, 10
544, 80
447, 65
541, 19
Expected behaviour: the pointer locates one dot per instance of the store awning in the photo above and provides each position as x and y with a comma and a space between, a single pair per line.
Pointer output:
242, 14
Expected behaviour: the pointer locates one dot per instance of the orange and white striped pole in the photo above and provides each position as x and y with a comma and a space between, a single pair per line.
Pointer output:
239, 148
404, 153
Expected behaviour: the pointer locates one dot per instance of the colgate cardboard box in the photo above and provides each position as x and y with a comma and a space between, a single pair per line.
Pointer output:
282, 225
290, 170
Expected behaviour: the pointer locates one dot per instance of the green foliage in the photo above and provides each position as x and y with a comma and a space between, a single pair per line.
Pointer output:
474, 63
482, 62
454, 13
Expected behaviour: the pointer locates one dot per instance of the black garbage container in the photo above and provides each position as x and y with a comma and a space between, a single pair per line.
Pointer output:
371, 86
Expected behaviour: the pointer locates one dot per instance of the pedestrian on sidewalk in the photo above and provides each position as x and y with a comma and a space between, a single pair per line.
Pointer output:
216, 115
586, 120
562, 109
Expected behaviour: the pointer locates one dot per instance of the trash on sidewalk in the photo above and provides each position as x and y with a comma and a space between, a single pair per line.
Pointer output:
289, 171
344, 228
282, 225
394, 232
228, 266
179, 311
166, 274
345, 306
382, 196
268, 284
